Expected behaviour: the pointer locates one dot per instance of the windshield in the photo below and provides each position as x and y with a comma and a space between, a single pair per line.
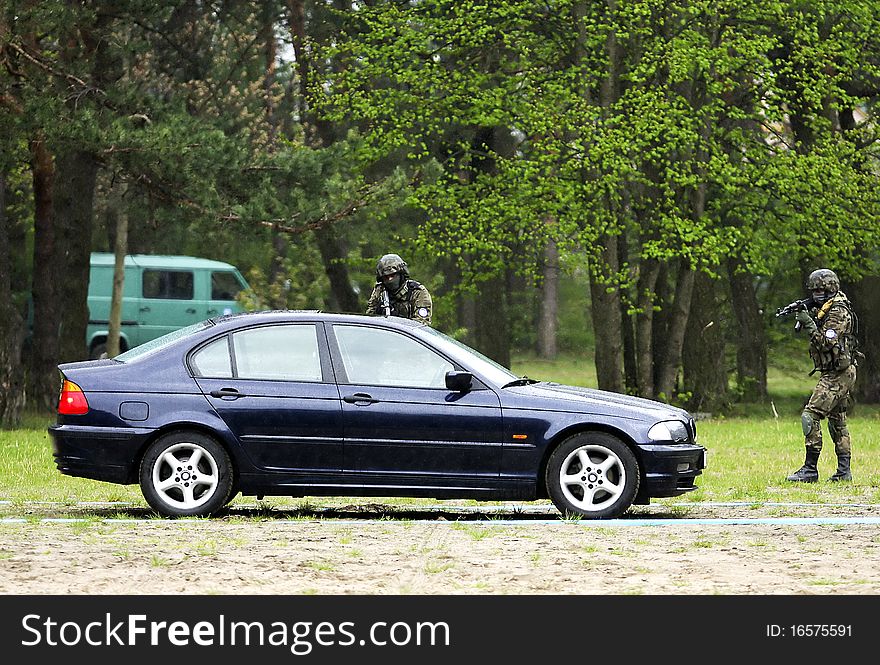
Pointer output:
473, 359
161, 342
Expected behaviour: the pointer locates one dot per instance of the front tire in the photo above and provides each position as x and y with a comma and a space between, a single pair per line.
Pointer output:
592, 475
186, 474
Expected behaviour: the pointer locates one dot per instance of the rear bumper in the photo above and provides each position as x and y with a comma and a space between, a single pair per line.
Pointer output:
670, 470
98, 453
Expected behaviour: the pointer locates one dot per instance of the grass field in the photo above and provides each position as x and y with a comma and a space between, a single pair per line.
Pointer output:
748, 460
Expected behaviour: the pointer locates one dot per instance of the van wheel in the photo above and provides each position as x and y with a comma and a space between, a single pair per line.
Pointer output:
98, 350
592, 475
186, 474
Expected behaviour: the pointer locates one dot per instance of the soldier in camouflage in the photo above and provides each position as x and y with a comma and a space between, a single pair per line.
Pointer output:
405, 297
832, 326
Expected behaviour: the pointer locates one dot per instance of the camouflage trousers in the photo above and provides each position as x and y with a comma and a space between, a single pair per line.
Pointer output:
829, 400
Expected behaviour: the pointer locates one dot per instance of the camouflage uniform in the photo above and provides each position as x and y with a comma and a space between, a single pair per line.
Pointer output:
411, 301
407, 298
834, 354
837, 378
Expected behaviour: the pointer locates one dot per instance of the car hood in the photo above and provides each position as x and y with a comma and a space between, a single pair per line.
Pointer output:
557, 397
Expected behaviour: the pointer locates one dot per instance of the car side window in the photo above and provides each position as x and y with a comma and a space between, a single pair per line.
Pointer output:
168, 284
276, 353
279, 353
213, 359
388, 358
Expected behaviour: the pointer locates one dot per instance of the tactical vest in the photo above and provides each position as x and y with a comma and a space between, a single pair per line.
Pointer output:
845, 352
403, 307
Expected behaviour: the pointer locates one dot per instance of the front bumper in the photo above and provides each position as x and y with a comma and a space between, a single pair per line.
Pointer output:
670, 470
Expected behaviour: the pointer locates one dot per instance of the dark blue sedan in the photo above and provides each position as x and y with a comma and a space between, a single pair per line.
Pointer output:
315, 404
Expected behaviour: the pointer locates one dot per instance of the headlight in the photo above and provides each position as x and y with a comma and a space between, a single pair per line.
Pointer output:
669, 430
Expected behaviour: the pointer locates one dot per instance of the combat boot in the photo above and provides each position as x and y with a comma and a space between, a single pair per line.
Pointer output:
843, 472
808, 472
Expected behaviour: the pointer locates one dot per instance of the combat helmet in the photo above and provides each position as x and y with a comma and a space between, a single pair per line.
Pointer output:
390, 264
823, 280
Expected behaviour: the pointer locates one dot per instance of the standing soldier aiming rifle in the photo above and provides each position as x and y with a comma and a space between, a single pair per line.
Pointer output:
395, 294
828, 318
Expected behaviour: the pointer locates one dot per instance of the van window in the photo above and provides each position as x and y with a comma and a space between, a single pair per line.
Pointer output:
169, 284
224, 286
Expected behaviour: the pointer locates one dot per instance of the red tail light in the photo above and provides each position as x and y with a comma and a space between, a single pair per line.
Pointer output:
73, 401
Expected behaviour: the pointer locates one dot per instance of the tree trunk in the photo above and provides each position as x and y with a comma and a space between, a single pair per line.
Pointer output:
549, 304
320, 133
627, 323
492, 331
647, 283
12, 330
605, 307
73, 198
751, 339
865, 297
703, 364
42, 386
670, 360
343, 296
466, 313
120, 250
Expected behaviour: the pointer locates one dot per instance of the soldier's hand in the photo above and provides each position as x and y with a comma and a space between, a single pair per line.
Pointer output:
806, 321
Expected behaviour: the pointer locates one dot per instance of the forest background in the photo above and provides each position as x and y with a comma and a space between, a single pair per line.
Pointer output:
638, 181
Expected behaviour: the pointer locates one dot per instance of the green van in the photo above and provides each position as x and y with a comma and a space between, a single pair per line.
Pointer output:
160, 294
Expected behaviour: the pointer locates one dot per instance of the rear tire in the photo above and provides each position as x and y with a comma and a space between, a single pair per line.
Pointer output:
592, 475
186, 474
98, 350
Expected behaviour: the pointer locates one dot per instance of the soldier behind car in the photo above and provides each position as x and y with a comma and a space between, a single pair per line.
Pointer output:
407, 298
831, 325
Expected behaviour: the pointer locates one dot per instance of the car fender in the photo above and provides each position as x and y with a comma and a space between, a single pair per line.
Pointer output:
207, 423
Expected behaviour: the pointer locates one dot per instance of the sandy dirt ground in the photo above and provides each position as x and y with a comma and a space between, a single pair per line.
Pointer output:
367, 549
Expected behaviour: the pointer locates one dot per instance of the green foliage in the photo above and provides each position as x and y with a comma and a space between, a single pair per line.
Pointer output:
465, 135
694, 89
300, 283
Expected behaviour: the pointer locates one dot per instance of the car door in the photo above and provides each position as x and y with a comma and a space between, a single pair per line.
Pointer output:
273, 387
401, 424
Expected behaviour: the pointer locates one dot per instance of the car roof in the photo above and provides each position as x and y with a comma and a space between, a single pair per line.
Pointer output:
268, 316
159, 261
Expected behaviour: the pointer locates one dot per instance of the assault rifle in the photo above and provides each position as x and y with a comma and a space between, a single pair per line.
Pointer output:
386, 302
793, 307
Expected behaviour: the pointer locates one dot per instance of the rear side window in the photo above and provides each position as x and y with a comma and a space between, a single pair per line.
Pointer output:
273, 353
168, 284
213, 359
224, 286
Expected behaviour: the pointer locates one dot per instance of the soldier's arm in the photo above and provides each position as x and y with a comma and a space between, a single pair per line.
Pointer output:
375, 301
836, 323
422, 306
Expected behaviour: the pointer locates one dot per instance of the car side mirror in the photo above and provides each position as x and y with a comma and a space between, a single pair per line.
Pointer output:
459, 381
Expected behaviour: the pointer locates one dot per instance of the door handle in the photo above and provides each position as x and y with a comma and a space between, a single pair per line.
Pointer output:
191, 310
145, 309
226, 392
359, 398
